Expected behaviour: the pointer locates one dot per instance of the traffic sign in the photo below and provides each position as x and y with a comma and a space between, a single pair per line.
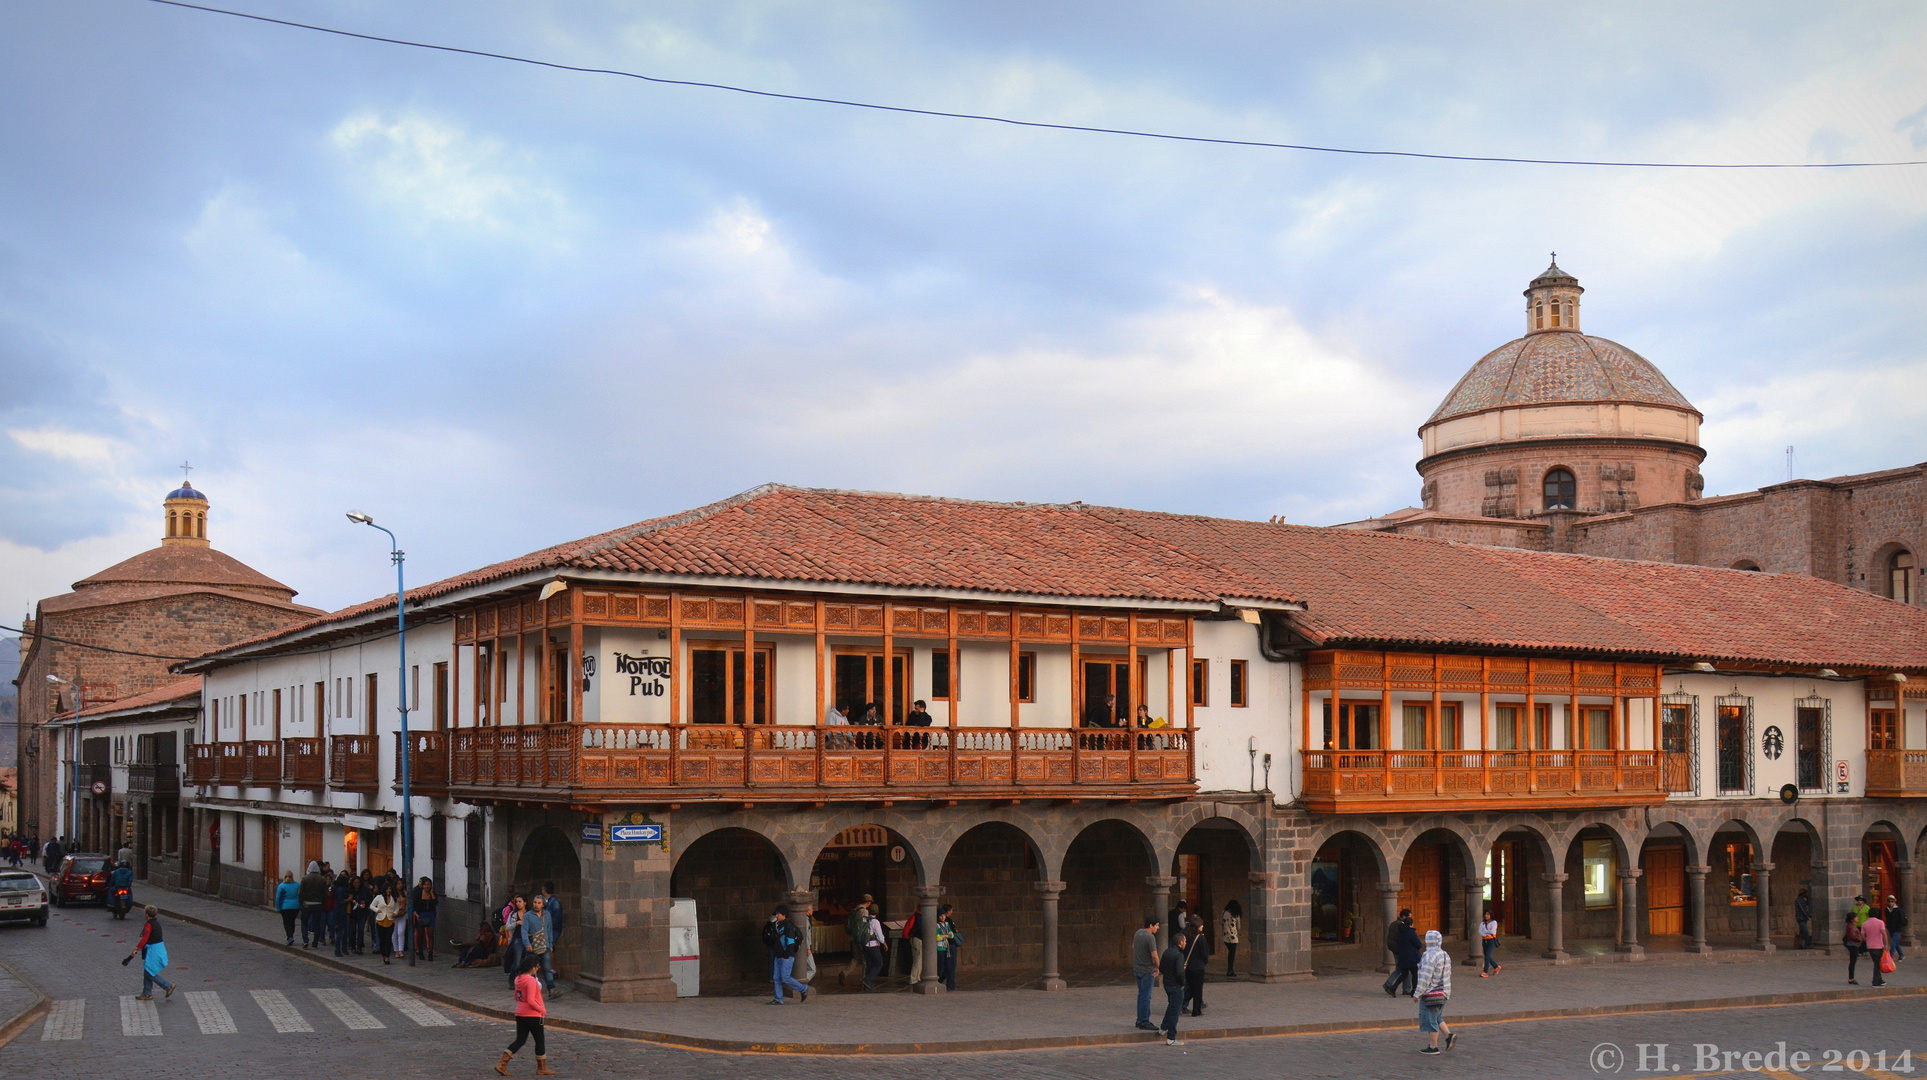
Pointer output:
636, 834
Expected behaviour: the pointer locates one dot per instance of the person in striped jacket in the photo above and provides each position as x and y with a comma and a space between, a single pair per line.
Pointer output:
1434, 989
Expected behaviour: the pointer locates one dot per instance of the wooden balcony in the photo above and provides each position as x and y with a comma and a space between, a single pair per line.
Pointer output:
427, 762
601, 764
263, 763
1382, 781
304, 767
231, 762
352, 763
202, 765
1896, 774
154, 781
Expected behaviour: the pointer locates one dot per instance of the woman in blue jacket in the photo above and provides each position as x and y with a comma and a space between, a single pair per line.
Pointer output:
287, 901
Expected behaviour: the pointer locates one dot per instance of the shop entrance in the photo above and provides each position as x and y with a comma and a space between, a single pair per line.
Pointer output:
1506, 888
1423, 875
851, 867
1666, 890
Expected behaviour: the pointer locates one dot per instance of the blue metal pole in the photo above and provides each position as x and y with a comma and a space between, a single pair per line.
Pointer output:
401, 681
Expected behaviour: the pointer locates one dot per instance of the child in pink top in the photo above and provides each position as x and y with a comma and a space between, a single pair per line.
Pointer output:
529, 1011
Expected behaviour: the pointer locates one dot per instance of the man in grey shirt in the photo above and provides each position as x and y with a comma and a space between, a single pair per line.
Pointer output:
1144, 965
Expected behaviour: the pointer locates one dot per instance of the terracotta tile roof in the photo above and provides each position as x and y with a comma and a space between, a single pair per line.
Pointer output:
98, 596
179, 691
185, 564
1365, 588
1361, 588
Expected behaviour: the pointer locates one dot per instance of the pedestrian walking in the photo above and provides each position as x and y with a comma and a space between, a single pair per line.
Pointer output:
341, 913
53, 854
1178, 917
314, 889
1856, 942
855, 926
529, 1011
1896, 920
876, 951
535, 939
1406, 953
1197, 954
1434, 989
1230, 928
1873, 937
781, 940
153, 953
421, 919
552, 904
1144, 967
1171, 970
386, 909
1489, 940
287, 901
1803, 918
359, 914
948, 942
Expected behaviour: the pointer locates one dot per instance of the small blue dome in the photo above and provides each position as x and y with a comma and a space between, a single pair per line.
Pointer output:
186, 491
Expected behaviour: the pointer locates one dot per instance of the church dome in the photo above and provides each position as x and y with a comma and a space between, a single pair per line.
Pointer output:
1557, 368
187, 491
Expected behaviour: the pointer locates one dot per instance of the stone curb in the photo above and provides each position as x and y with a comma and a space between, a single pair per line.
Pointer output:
1045, 1042
23, 1018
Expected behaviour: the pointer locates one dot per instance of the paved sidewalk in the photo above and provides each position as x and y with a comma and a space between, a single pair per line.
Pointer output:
1013, 1019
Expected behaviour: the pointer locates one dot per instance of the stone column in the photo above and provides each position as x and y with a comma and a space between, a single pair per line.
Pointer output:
1389, 890
1050, 890
623, 926
1904, 881
1474, 914
1556, 921
927, 895
1160, 902
1696, 907
801, 906
1763, 906
1629, 912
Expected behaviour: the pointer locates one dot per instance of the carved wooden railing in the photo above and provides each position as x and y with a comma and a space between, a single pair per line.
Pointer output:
607, 761
427, 762
263, 763
304, 766
352, 763
1366, 781
1896, 773
203, 767
233, 767
154, 781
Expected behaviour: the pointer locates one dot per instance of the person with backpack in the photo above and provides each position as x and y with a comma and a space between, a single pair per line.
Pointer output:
876, 951
536, 941
854, 928
1432, 990
780, 937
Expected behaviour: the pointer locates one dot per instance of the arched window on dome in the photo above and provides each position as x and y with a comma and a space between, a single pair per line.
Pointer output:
1562, 491
1900, 576
1539, 315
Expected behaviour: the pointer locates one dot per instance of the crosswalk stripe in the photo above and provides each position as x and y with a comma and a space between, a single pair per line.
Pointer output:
412, 1007
65, 1020
347, 1011
138, 1017
211, 1014
280, 1011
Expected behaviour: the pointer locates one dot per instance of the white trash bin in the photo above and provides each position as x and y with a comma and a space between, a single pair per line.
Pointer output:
685, 949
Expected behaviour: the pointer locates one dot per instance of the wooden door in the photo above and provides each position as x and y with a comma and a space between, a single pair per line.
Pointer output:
1424, 889
1666, 890
1509, 889
270, 858
1105, 678
380, 849
310, 844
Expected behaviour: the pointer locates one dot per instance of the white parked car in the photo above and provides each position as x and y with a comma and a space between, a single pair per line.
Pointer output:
23, 896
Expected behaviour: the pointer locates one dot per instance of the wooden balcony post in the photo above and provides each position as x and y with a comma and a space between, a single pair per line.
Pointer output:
1435, 726
1531, 724
822, 709
1136, 686
544, 695
1615, 742
1077, 700
675, 687
1014, 699
521, 676
1384, 722
574, 669
956, 694
1191, 705
890, 683
1485, 724
748, 703
1659, 755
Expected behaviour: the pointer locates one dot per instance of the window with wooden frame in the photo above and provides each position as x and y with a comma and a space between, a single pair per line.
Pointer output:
722, 692
240, 839
1505, 727
440, 714
1451, 736
1542, 727
320, 708
1026, 676
374, 700
1356, 727
1109, 676
242, 731
1415, 718
1882, 732
940, 667
1240, 688
484, 685
1201, 682
437, 838
856, 681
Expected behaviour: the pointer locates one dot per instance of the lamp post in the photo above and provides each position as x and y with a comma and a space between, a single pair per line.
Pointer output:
401, 685
74, 790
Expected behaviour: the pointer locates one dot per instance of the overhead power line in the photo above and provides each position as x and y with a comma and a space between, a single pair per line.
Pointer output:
1045, 125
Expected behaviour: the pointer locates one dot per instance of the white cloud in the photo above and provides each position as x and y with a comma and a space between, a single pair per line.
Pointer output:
1828, 415
75, 446
437, 173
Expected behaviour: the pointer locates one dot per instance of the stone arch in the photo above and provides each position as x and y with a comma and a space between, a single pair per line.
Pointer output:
989, 875
1227, 863
1346, 867
1566, 477
736, 875
1879, 873
811, 848
936, 843
1377, 842
1749, 565
785, 841
1886, 560
1104, 869
548, 854
1745, 826
1434, 865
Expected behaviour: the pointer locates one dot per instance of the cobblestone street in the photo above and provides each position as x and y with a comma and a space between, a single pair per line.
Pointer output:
248, 1011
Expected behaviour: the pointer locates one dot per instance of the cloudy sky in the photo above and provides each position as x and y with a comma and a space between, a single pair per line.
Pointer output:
498, 306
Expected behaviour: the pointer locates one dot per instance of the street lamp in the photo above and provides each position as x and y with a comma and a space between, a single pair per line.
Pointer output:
401, 685
74, 791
